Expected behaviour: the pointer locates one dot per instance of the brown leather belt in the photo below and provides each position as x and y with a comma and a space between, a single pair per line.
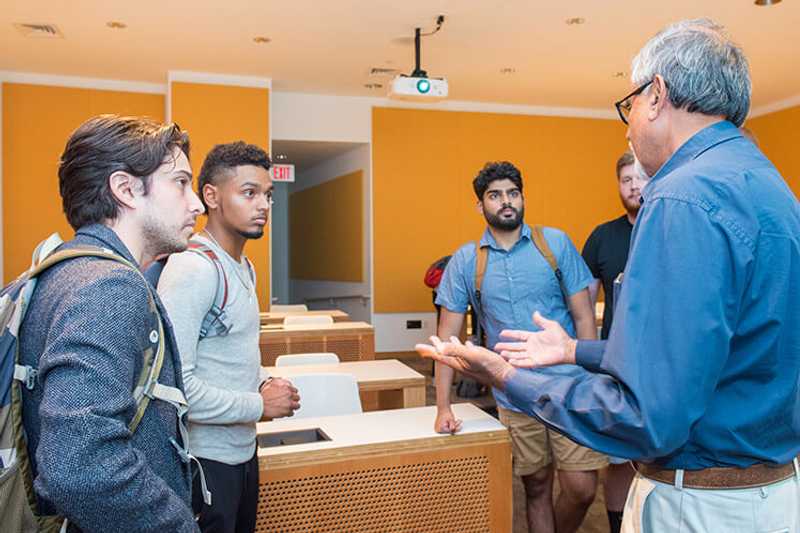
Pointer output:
756, 475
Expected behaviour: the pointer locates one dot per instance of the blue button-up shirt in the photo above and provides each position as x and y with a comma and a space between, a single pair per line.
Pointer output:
516, 283
702, 366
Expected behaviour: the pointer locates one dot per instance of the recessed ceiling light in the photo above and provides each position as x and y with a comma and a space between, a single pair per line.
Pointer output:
767, 2
116, 25
618, 74
373, 86
260, 39
574, 21
508, 70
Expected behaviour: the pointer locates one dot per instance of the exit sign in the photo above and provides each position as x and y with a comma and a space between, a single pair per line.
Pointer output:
283, 173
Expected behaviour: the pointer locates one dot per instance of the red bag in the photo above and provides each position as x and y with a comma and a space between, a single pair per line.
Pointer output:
433, 276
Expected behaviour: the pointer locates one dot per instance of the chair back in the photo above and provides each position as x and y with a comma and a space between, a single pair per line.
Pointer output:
321, 358
326, 395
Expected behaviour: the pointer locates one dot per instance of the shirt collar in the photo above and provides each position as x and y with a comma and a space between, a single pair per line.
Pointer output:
488, 238
701, 141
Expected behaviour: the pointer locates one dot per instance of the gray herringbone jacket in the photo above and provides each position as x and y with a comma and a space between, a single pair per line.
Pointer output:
86, 328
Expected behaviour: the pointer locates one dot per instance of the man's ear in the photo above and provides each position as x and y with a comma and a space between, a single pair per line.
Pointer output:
210, 195
657, 97
479, 208
125, 188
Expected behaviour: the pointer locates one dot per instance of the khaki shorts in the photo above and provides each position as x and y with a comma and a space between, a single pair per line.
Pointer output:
534, 446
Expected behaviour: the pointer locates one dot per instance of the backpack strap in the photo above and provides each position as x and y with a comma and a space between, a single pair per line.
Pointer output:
251, 269
481, 259
537, 234
148, 379
216, 320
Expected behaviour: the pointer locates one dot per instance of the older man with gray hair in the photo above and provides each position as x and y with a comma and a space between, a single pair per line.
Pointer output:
699, 380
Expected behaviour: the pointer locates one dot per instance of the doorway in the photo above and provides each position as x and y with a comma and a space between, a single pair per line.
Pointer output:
320, 227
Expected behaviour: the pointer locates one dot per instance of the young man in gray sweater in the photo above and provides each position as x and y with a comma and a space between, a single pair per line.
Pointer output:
221, 368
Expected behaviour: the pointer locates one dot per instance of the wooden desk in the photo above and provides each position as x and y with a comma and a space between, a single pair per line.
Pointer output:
384, 384
387, 471
351, 341
277, 318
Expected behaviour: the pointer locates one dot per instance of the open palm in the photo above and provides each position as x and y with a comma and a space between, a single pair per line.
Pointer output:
527, 349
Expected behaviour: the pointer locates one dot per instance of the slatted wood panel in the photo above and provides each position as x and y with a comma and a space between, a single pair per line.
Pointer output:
463, 490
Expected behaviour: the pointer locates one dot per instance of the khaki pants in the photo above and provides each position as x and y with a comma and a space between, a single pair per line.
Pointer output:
534, 446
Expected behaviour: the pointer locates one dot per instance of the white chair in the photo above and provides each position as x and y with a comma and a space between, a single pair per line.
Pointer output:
294, 308
321, 358
326, 395
307, 320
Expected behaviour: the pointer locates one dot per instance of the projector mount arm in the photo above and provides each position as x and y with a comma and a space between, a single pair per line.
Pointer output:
418, 72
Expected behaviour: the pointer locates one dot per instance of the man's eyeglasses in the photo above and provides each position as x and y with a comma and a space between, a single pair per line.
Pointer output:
624, 105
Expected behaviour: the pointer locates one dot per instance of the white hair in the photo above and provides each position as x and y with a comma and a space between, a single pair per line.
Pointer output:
704, 70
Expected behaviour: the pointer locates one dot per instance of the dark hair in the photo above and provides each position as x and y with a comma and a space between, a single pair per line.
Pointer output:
498, 170
106, 144
624, 160
225, 157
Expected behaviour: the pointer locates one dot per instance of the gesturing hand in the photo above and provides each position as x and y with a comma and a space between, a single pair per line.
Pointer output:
550, 346
474, 361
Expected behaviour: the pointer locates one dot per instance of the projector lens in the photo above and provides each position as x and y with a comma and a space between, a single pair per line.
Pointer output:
423, 86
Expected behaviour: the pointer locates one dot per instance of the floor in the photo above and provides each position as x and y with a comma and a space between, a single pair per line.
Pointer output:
595, 521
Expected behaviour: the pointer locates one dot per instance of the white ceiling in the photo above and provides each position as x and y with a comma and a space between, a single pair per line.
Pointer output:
329, 46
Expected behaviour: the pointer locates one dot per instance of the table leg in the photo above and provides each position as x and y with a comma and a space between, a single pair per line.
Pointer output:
414, 396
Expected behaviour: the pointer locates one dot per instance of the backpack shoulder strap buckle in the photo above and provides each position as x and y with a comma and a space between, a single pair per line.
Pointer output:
26, 374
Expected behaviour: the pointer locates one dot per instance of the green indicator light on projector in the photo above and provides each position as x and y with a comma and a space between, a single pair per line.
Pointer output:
423, 86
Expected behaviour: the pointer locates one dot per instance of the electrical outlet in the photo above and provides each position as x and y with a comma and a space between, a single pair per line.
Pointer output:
413, 324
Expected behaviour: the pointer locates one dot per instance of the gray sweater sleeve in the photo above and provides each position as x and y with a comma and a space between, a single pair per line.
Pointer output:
87, 466
187, 288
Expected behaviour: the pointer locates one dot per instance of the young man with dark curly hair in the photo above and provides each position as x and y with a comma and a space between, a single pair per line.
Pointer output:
517, 281
220, 355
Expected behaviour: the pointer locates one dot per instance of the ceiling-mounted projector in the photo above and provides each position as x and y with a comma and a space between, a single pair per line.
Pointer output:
418, 86
411, 87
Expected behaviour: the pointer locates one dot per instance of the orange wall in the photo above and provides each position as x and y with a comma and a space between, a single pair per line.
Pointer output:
37, 120
214, 114
778, 138
423, 204
326, 230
